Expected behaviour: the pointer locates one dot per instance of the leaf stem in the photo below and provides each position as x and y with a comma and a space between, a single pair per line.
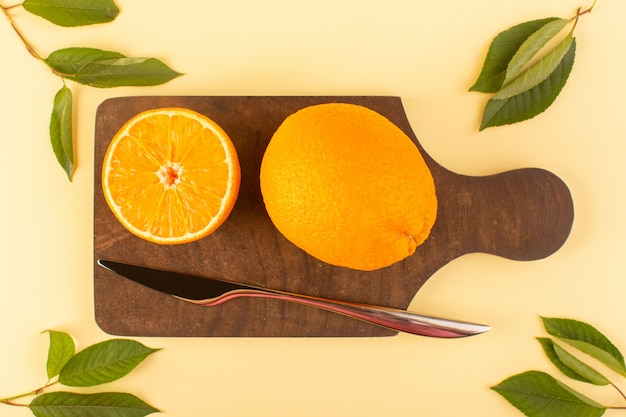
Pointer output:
9, 400
7, 8
589, 10
619, 390
580, 12
27, 44
29, 47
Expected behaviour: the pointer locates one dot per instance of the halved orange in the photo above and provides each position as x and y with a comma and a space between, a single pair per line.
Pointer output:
171, 175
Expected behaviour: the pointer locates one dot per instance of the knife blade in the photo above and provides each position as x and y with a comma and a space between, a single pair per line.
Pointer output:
211, 292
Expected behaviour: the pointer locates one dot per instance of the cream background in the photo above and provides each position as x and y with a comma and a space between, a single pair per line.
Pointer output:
426, 52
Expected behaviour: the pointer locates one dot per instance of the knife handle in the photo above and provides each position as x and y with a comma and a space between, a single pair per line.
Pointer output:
391, 318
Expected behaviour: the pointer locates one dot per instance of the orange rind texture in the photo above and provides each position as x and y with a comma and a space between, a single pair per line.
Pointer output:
347, 186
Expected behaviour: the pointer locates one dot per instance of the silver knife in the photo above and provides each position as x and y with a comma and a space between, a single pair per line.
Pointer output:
212, 292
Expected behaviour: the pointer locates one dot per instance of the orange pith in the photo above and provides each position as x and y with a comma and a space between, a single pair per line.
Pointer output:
348, 187
171, 175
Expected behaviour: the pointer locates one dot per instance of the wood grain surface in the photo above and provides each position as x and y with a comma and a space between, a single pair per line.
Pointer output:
524, 214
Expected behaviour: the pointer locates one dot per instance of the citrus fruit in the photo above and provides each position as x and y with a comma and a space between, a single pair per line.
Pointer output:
347, 186
171, 175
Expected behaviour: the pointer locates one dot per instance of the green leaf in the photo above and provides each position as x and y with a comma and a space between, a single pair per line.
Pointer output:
61, 130
107, 404
502, 49
103, 362
73, 12
532, 102
587, 339
100, 68
531, 47
61, 350
570, 365
69, 61
125, 72
538, 394
538, 72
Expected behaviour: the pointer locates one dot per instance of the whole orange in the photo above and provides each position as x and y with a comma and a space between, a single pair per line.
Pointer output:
347, 186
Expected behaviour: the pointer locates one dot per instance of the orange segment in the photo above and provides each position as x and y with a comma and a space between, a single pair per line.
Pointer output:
171, 175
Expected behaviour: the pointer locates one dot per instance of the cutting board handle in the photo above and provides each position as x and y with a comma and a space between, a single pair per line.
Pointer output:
524, 214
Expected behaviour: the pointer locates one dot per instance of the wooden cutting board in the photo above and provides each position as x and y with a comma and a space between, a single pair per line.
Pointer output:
524, 214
